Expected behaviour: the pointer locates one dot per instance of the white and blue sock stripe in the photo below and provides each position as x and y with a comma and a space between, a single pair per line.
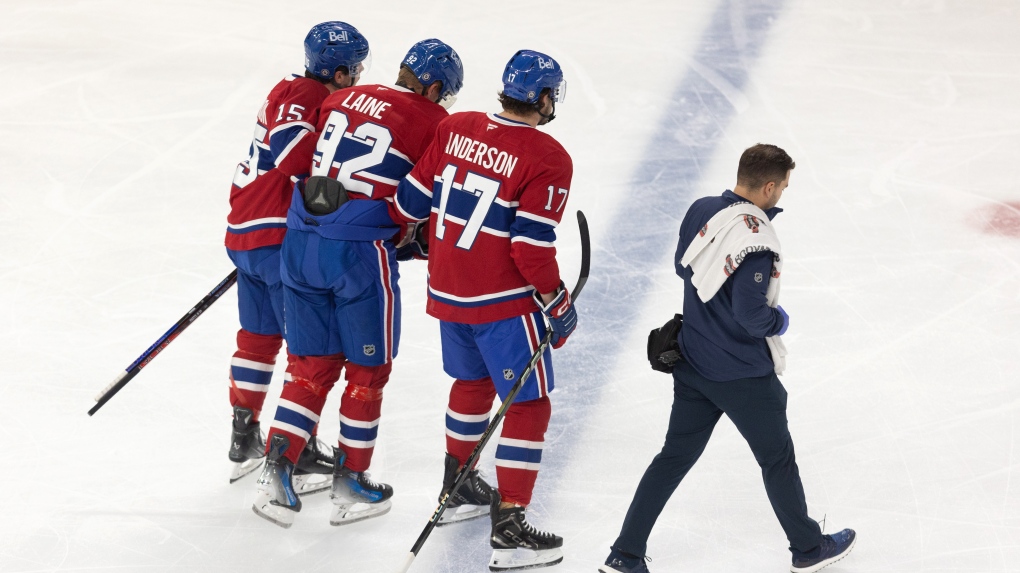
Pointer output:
250, 375
519, 454
357, 433
466, 427
295, 419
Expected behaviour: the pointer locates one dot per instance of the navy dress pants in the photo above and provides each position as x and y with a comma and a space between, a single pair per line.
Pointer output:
757, 407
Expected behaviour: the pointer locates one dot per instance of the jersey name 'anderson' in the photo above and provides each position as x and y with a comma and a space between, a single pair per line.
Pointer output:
477, 152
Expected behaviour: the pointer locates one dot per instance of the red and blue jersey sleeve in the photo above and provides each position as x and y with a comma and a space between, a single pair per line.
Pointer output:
533, 231
413, 200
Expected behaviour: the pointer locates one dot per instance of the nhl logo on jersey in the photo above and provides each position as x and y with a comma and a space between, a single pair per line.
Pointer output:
368, 349
757, 277
508, 374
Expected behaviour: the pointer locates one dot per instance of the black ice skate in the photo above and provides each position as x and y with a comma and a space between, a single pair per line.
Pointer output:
276, 499
470, 501
516, 544
314, 470
247, 445
355, 497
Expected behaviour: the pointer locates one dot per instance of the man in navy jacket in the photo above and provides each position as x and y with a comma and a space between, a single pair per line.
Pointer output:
730, 368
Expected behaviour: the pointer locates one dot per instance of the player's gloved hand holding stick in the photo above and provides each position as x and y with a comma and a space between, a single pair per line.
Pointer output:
562, 316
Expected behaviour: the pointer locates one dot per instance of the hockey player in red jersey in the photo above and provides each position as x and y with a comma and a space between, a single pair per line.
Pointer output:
339, 271
259, 198
493, 189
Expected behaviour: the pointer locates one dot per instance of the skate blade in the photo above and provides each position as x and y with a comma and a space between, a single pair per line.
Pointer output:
264, 508
348, 513
518, 559
463, 513
241, 469
306, 484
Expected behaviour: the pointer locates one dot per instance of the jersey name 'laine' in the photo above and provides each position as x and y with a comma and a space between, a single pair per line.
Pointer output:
494, 191
262, 187
369, 139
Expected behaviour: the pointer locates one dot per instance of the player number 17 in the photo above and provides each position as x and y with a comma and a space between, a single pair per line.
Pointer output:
552, 194
483, 188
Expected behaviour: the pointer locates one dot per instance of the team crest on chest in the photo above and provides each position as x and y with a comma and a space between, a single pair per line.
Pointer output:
508, 374
368, 349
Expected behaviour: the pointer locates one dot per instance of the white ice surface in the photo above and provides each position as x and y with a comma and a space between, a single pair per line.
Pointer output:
121, 123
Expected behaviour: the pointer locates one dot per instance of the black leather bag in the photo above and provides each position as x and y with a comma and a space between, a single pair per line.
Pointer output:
663, 348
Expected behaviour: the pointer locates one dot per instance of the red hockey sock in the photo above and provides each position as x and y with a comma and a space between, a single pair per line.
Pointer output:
302, 400
519, 452
467, 415
360, 409
251, 369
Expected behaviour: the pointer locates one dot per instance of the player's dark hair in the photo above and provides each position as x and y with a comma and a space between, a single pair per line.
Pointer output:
762, 163
518, 107
323, 80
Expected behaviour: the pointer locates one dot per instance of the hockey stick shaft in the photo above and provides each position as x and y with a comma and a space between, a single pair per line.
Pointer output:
462, 475
163, 341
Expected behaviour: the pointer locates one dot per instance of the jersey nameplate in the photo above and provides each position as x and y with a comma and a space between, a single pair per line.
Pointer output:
463, 147
366, 104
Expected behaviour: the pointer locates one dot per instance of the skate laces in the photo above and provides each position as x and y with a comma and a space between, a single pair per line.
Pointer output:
526, 525
477, 481
366, 480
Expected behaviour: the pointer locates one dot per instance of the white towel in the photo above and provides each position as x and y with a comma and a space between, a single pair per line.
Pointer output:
721, 246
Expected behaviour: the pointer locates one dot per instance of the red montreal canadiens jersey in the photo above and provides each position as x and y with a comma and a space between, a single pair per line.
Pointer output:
371, 136
280, 149
493, 191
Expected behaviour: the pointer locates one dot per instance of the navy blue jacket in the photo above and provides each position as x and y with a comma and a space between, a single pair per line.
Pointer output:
724, 338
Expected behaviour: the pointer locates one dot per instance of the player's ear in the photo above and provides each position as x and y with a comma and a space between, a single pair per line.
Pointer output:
434, 91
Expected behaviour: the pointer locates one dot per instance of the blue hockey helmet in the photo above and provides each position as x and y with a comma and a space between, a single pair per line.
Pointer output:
432, 60
529, 72
330, 45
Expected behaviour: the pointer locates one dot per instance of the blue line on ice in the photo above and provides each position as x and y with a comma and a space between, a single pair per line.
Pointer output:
645, 228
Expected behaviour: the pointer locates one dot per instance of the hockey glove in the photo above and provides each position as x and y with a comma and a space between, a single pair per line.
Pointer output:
786, 321
560, 315
416, 243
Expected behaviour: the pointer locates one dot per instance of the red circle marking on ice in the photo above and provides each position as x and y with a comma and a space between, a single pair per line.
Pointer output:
1002, 219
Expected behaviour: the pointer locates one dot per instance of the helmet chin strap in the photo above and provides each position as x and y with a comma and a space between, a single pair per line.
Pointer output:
547, 118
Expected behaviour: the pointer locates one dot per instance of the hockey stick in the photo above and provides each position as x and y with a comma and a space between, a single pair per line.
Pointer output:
168, 337
462, 475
